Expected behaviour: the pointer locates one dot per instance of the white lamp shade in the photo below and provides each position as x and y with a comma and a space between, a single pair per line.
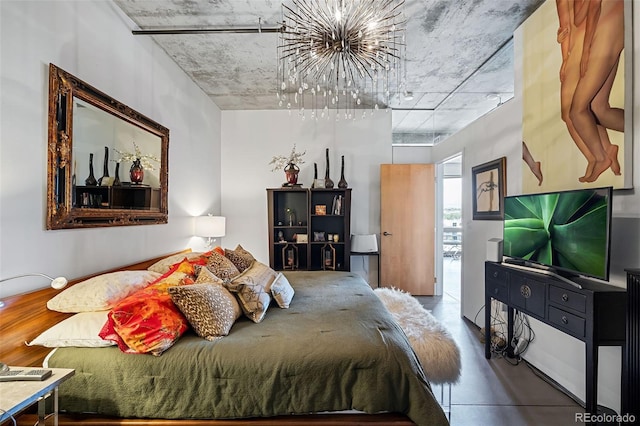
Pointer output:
210, 226
364, 243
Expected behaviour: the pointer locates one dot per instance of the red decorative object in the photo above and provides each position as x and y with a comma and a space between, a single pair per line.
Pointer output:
136, 173
291, 172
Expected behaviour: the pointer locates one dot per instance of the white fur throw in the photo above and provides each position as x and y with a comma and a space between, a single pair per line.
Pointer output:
435, 348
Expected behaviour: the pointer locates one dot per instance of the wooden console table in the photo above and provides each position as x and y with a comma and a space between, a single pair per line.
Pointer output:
594, 314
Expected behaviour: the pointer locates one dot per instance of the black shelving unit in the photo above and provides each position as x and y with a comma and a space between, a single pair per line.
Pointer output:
300, 223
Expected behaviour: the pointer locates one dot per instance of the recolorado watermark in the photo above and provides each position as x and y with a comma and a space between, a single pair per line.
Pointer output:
604, 418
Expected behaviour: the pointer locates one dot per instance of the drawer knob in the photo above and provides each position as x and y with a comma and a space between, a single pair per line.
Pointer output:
565, 320
496, 291
495, 274
565, 297
525, 291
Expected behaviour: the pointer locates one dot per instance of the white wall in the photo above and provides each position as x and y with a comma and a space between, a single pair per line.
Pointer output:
93, 41
251, 138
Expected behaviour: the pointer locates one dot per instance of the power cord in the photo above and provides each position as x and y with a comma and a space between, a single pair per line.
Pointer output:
497, 334
523, 335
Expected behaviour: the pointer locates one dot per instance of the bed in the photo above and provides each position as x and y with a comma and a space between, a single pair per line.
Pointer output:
335, 356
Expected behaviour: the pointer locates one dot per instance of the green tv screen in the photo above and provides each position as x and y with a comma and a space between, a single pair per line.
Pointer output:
567, 231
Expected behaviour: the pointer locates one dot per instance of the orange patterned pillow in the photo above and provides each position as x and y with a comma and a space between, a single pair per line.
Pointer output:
148, 321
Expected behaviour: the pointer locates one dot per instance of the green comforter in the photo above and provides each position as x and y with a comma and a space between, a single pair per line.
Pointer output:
335, 348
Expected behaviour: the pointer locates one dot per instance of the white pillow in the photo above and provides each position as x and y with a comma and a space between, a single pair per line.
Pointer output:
282, 291
80, 330
101, 293
162, 266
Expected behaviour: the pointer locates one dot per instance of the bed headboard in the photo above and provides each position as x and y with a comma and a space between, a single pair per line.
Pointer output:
25, 316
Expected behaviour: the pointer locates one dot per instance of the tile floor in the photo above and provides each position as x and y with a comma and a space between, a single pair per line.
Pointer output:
494, 392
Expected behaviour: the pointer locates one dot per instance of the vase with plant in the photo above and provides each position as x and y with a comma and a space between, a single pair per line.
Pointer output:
139, 162
290, 164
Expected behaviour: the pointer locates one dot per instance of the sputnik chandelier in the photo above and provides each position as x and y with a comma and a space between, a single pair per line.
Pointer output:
342, 55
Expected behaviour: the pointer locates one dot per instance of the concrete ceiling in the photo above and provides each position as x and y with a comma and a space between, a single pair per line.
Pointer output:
459, 60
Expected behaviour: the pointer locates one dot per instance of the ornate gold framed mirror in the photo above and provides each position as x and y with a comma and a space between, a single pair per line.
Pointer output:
107, 164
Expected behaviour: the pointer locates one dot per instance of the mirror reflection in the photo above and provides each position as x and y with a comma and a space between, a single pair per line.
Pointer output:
111, 146
107, 163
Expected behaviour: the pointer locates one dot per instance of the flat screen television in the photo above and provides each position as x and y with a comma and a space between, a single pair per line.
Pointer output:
566, 232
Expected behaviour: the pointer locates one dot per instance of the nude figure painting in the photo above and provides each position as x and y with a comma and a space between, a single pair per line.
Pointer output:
573, 96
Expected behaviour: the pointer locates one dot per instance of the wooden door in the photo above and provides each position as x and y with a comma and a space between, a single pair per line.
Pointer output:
407, 226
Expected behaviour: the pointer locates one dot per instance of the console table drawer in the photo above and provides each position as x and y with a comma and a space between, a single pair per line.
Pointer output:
496, 274
528, 295
497, 290
573, 324
568, 298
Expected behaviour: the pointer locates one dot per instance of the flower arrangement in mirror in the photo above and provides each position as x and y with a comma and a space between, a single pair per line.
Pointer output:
290, 165
139, 161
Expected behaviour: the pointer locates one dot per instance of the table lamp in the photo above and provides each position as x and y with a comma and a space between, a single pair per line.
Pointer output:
210, 227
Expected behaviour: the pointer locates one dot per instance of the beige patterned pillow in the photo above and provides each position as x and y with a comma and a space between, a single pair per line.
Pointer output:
102, 292
241, 258
206, 276
282, 291
252, 287
210, 308
221, 267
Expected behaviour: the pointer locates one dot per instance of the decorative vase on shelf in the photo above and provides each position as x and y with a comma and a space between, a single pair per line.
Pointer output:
291, 173
105, 167
136, 173
291, 217
315, 174
116, 179
342, 183
328, 183
91, 180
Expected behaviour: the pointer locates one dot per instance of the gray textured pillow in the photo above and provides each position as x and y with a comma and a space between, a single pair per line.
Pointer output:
282, 291
252, 287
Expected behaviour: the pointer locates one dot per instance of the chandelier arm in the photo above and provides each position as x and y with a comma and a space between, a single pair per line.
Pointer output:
310, 12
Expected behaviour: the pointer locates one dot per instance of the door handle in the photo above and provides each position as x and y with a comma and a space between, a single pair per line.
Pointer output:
386, 234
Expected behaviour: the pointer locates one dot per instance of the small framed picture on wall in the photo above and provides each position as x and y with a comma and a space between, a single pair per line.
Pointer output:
489, 182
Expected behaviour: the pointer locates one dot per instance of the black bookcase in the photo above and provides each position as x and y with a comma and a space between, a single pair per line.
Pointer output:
309, 229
